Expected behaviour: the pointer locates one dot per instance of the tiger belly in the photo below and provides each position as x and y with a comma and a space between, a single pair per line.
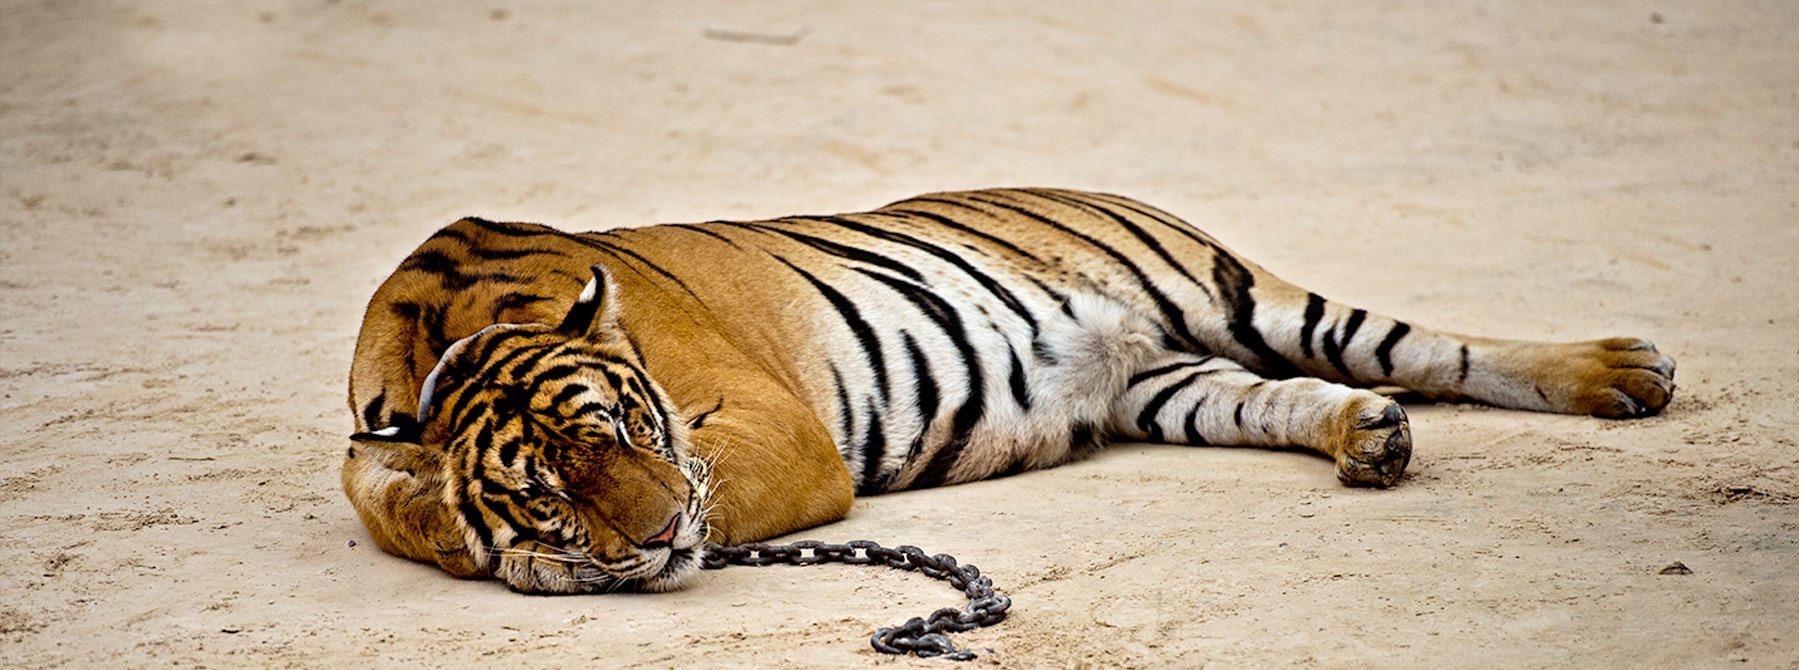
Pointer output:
1001, 402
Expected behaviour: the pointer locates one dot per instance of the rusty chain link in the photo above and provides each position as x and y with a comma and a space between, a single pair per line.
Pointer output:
923, 636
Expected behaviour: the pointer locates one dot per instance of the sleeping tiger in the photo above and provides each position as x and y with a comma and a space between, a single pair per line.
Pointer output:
584, 412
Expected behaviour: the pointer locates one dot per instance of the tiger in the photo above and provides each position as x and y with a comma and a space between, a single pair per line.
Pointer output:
588, 412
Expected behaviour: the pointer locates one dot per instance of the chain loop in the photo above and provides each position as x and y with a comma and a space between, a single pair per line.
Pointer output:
923, 636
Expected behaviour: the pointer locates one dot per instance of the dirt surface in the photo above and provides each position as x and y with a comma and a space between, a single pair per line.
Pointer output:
197, 199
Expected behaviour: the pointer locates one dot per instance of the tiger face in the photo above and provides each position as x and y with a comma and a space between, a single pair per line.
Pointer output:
565, 466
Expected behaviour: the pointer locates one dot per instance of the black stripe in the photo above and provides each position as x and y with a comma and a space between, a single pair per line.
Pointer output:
514, 301
852, 318
408, 312
465, 422
471, 514
1464, 374
963, 423
427, 324
457, 375
499, 502
1146, 419
551, 374
495, 339
1356, 317
371, 413
699, 420
1157, 372
873, 453
1233, 280
449, 271
636, 351
843, 251
955, 225
1020, 393
1193, 436
845, 414
874, 446
568, 393
431, 320
1082, 437
1173, 222
587, 408
641, 396
483, 441
1333, 347
1171, 312
509, 452
928, 399
638, 393
519, 366
1314, 314
617, 249
448, 233
514, 229
1148, 241
533, 467
1384, 352
475, 386
998, 290
706, 231
540, 512
487, 254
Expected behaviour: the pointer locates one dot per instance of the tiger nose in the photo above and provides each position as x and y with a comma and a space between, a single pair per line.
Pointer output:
663, 538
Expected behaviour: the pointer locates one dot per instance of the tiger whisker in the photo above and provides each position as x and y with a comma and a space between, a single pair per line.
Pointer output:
562, 555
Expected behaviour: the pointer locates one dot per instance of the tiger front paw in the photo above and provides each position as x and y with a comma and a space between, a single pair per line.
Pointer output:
1377, 445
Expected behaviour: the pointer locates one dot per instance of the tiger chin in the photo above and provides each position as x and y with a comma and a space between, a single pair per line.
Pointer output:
584, 412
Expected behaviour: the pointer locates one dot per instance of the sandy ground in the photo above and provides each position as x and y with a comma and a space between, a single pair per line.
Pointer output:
197, 199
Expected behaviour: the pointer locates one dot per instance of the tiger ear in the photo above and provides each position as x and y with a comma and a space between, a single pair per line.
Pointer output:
395, 448
595, 312
399, 432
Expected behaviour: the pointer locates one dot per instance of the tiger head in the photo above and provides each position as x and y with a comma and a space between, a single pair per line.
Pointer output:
563, 468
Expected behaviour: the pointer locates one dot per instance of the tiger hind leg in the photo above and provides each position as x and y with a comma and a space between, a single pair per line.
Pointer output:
1617, 377
1210, 400
1282, 330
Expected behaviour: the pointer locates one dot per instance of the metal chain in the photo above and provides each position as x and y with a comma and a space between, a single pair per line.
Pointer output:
923, 636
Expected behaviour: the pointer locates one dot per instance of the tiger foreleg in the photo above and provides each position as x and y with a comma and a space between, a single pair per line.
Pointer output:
1209, 400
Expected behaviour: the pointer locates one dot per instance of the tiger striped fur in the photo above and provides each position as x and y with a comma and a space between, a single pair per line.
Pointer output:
581, 412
